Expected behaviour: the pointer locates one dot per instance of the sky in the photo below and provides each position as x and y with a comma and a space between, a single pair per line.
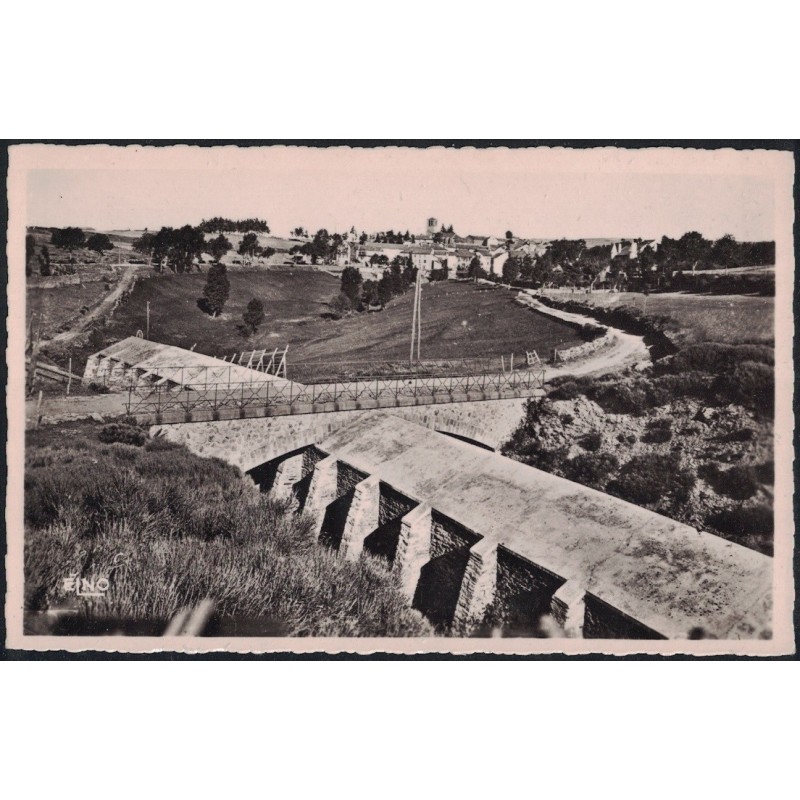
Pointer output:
536, 192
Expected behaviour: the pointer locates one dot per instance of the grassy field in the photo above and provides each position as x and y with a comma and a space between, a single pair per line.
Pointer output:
58, 308
168, 529
458, 320
736, 319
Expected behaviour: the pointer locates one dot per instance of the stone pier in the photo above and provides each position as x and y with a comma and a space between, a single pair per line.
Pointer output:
477, 539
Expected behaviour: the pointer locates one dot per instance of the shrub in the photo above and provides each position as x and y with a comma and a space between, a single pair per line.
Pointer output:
649, 478
658, 430
664, 389
125, 434
160, 443
749, 384
567, 419
591, 441
716, 357
626, 438
170, 528
657, 435
98, 388
340, 305
739, 482
619, 398
567, 391
738, 435
589, 332
97, 339
766, 472
591, 469
741, 522
529, 450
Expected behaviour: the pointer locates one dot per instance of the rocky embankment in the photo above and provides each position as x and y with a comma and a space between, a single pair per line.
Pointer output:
689, 435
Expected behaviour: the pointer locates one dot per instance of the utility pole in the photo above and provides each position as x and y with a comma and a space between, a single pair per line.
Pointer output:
416, 318
419, 313
413, 321
147, 334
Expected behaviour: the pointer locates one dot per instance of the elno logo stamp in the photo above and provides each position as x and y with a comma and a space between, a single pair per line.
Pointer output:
85, 587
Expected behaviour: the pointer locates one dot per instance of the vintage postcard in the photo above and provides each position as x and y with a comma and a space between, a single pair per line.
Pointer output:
400, 399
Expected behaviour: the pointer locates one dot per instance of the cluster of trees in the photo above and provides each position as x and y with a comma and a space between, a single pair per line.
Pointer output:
322, 248
175, 249
249, 248
299, 232
68, 238
390, 237
694, 250
179, 249
442, 234
571, 262
358, 294
224, 225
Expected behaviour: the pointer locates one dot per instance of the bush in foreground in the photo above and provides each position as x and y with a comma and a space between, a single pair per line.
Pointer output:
124, 434
168, 529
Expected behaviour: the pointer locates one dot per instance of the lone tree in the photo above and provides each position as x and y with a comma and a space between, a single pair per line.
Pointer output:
340, 306
216, 290
30, 253
253, 315
351, 284
144, 244
45, 270
68, 238
218, 247
475, 269
99, 242
248, 247
510, 269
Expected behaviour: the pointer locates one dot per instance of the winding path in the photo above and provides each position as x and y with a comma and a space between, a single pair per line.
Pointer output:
626, 350
104, 307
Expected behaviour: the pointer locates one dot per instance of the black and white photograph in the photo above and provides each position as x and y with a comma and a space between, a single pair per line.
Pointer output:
400, 399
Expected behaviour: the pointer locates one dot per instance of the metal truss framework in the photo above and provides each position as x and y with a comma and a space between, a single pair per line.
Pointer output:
187, 390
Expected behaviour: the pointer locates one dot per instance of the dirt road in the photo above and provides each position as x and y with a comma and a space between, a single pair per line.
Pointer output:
104, 307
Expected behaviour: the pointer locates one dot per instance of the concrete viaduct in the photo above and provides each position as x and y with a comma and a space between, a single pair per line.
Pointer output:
474, 538
478, 540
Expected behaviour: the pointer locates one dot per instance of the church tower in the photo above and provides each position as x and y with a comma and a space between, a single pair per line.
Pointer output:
433, 226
